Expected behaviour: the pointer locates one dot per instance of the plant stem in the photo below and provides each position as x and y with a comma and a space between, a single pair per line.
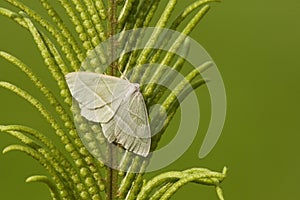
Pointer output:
112, 175
113, 22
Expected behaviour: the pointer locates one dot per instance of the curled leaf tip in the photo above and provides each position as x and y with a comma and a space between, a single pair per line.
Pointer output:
225, 169
7, 149
35, 178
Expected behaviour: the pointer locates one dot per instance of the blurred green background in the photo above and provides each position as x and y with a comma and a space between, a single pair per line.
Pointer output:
256, 45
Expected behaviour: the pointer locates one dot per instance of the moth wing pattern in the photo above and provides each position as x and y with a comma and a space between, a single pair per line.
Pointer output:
117, 105
99, 95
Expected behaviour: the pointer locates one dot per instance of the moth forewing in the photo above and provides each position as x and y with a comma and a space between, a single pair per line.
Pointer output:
95, 90
99, 96
103, 114
83, 89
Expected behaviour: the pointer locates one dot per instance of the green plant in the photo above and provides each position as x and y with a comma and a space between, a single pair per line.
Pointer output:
74, 172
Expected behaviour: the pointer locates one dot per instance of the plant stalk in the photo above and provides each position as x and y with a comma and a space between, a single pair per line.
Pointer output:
112, 174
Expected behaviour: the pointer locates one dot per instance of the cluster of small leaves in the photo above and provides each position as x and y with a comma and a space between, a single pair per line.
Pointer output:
79, 175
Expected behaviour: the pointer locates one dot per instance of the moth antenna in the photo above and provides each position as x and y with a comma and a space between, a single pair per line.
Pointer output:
123, 74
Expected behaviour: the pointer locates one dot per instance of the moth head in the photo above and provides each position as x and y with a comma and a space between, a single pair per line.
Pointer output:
136, 86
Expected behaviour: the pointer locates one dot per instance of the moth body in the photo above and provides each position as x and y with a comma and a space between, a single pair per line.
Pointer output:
117, 105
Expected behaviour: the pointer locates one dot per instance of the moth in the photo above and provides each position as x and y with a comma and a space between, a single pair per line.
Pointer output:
115, 103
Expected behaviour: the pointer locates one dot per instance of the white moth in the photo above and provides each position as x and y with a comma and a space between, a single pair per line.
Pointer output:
117, 105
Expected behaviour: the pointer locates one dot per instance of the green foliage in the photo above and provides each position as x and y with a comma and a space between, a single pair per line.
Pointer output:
73, 172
